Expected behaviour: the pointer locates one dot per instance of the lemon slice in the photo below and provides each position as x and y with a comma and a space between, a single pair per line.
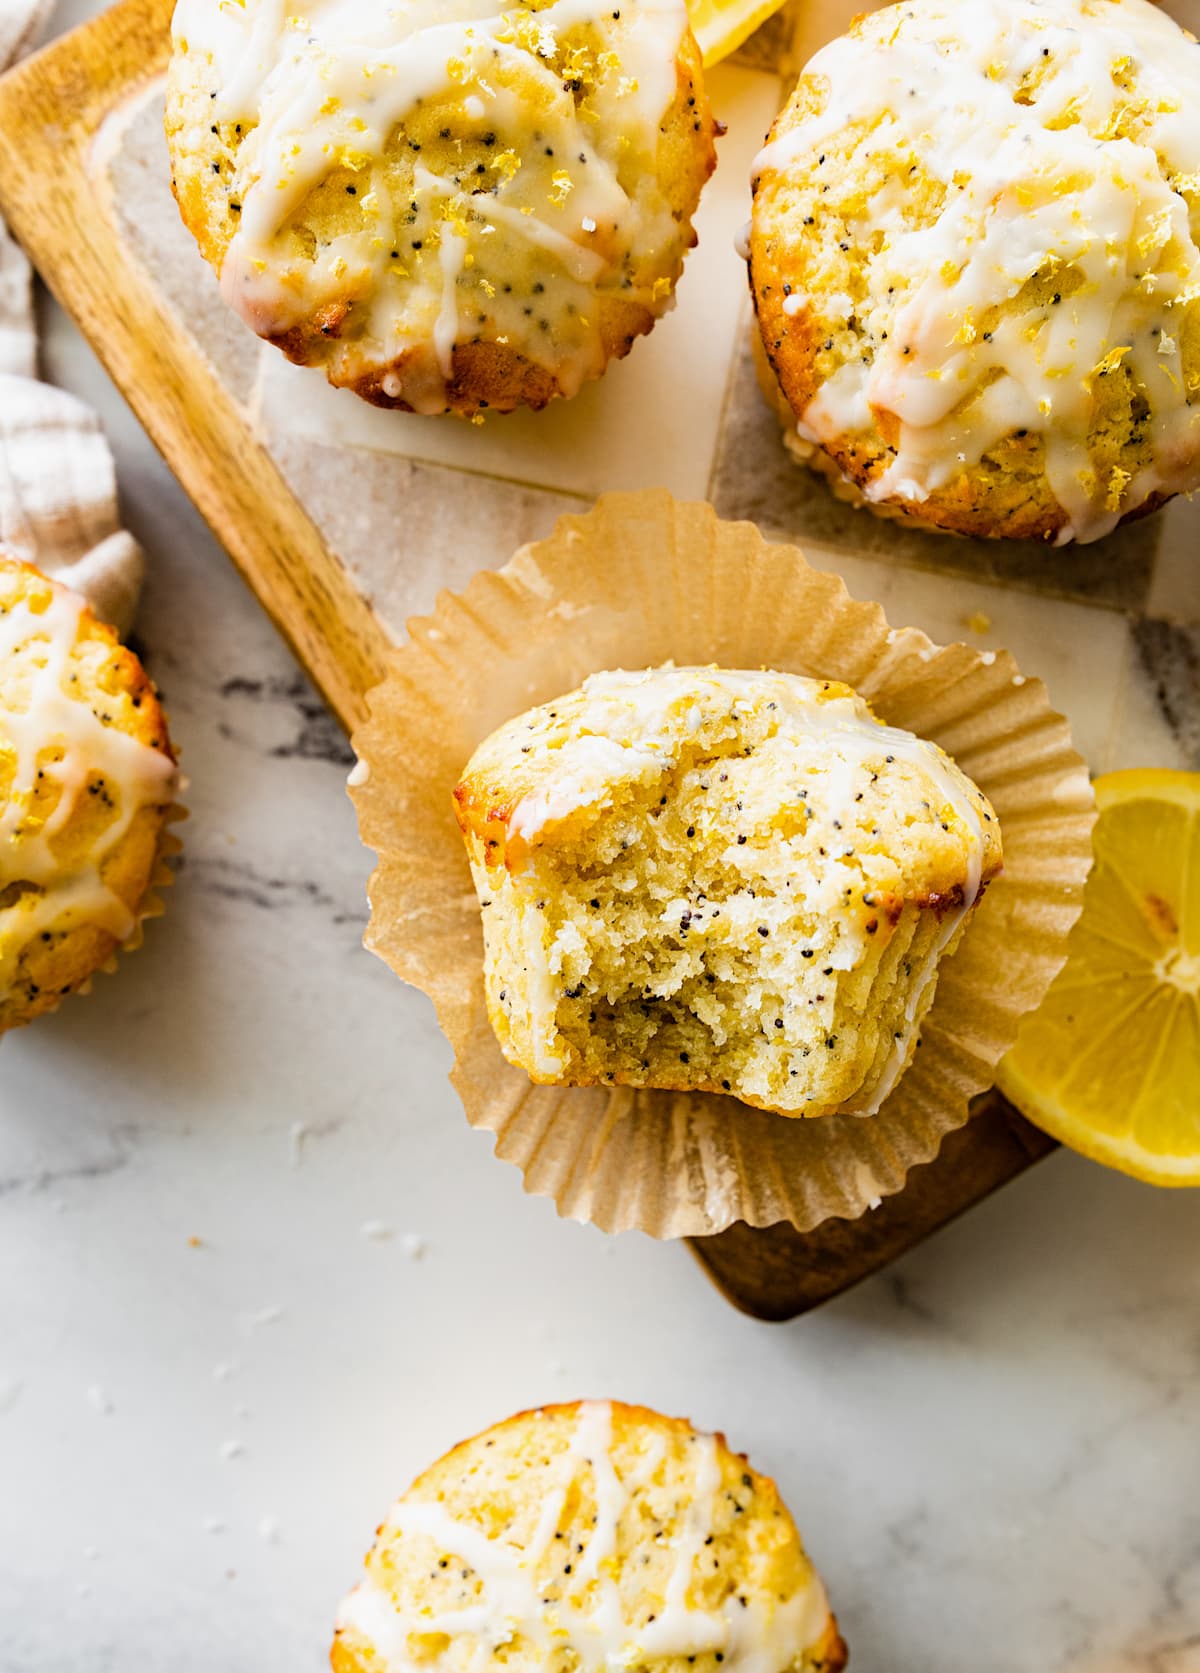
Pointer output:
1110, 1062
720, 26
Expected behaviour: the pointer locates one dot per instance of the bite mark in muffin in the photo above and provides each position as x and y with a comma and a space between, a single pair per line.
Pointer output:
719, 881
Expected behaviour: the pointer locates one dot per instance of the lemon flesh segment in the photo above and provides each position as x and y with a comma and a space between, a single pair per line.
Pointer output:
1110, 1062
720, 26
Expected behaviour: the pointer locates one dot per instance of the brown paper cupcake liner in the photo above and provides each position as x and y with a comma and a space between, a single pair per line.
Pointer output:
639, 581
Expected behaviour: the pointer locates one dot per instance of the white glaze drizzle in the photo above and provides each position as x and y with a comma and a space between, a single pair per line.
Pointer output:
326, 89
626, 733
40, 643
768, 1635
1022, 198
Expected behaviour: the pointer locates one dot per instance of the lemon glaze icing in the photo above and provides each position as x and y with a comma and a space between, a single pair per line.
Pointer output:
569, 202
625, 733
587, 1619
1013, 106
58, 736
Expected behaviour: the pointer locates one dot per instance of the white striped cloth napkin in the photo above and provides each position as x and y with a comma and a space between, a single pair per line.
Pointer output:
58, 492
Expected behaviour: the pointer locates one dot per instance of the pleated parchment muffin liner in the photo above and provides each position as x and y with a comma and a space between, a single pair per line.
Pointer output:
639, 581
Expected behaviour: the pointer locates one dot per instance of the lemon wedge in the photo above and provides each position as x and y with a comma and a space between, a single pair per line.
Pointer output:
1110, 1062
720, 26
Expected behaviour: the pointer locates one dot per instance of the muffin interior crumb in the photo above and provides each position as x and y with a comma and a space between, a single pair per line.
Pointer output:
760, 912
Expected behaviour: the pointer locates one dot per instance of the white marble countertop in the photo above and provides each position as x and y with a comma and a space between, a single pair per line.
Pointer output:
993, 1449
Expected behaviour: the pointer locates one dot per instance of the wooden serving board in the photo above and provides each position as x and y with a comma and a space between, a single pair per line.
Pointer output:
90, 207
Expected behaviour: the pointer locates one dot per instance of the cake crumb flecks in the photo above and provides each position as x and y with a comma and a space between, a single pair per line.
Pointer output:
713, 880
268, 1315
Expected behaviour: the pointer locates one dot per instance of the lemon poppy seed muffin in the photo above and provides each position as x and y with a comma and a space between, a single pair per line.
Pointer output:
445, 204
975, 260
702, 879
87, 777
589, 1536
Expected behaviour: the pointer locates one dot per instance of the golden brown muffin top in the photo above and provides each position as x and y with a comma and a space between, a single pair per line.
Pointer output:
867, 789
589, 1536
448, 172
977, 243
83, 749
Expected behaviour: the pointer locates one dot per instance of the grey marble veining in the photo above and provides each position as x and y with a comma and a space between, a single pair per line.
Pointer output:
992, 1448
1169, 656
309, 731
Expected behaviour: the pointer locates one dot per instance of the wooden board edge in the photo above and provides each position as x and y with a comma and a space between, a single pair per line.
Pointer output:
51, 109
776, 1273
